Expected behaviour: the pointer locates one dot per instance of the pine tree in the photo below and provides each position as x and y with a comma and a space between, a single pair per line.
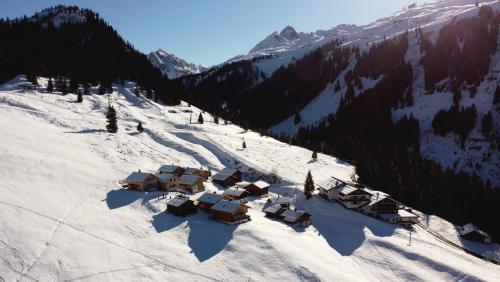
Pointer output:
140, 128
86, 89
487, 124
244, 145
79, 97
200, 119
73, 85
216, 119
315, 155
136, 91
297, 119
309, 186
64, 87
33, 79
50, 86
112, 126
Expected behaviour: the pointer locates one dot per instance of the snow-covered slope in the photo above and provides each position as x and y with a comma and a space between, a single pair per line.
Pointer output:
60, 14
64, 218
478, 155
173, 66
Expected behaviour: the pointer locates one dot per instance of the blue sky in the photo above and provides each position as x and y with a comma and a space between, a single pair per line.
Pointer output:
210, 32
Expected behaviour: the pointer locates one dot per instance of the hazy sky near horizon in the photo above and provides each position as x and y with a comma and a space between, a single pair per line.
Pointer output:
210, 32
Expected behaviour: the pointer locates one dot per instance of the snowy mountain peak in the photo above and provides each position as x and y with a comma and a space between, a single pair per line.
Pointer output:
173, 66
289, 33
62, 14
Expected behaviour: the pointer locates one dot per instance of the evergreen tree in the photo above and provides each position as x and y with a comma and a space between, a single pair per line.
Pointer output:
297, 119
140, 128
50, 85
200, 119
244, 145
112, 126
64, 87
216, 119
86, 89
136, 91
487, 125
315, 155
309, 186
33, 79
79, 98
73, 85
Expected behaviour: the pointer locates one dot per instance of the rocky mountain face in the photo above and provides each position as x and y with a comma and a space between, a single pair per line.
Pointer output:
173, 66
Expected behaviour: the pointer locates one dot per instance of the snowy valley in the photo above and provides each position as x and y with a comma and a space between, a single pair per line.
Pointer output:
64, 216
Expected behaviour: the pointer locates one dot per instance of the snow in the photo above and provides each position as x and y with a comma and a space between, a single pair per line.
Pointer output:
291, 215
168, 168
177, 202
165, 177
188, 179
70, 220
173, 66
226, 206
138, 176
234, 192
261, 184
210, 198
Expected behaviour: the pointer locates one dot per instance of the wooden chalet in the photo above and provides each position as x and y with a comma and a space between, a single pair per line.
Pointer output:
473, 233
300, 218
274, 211
181, 206
205, 174
207, 200
235, 194
227, 177
328, 189
191, 184
172, 169
381, 204
402, 217
284, 202
167, 181
352, 197
259, 188
141, 181
232, 212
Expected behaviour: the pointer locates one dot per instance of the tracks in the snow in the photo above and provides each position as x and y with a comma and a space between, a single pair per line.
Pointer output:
100, 238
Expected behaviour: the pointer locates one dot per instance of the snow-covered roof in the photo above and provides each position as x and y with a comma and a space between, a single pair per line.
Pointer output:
188, 179
348, 189
281, 200
243, 184
211, 198
400, 214
137, 176
261, 184
168, 168
224, 174
379, 197
164, 177
226, 206
190, 170
177, 202
291, 215
331, 183
469, 227
273, 209
234, 192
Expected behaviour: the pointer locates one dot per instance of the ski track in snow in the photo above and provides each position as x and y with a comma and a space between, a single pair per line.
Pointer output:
133, 222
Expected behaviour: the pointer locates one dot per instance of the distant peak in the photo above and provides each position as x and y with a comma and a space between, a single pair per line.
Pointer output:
289, 32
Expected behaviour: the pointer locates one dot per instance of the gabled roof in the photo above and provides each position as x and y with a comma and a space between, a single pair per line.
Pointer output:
281, 200
190, 170
234, 192
224, 174
291, 215
348, 189
469, 228
177, 202
261, 184
273, 209
226, 206
168, 168
243, 184
331, 183
165, 177
211, 198
188, 179
137, 176
379, 197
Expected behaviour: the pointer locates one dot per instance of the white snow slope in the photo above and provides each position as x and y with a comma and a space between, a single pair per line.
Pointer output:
64, 218
478, 155
173, 66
